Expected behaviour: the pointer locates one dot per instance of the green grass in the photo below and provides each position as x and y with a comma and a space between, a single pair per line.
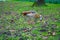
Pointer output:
17, 8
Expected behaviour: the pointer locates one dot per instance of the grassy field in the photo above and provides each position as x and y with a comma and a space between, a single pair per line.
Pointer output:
13, 26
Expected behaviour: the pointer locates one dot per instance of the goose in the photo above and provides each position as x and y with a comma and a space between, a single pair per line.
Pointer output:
32, 14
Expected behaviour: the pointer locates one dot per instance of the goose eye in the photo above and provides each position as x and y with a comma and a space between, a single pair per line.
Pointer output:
33, 12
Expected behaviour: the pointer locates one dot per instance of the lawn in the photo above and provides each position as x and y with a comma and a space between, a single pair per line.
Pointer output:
13, 26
